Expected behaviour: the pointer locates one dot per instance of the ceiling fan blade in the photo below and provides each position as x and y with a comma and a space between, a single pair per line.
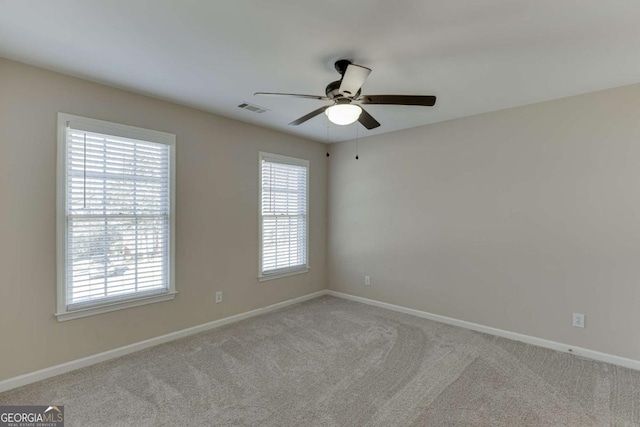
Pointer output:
293, 95
367, 120
311, 115
353, 78
424, 100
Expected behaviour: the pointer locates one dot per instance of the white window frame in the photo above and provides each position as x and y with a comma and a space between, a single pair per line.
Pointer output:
293, 270
99, 126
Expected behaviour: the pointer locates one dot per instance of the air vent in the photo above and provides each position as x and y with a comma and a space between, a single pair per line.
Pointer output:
254, 108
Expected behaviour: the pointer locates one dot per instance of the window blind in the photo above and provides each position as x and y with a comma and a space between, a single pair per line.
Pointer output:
117, 217
283, 215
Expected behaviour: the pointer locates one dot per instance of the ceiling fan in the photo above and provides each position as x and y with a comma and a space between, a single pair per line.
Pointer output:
346, 97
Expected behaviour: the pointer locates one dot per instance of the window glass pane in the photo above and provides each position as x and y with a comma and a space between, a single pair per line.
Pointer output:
283, 216
118, 217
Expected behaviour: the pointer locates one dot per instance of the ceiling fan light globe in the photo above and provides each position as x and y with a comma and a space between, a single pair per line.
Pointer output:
343, 114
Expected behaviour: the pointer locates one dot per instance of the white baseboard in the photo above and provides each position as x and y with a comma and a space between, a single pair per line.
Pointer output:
63, 368
553, 345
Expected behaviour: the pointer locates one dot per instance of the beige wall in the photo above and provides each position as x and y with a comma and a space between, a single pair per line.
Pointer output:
513, 219
216, 220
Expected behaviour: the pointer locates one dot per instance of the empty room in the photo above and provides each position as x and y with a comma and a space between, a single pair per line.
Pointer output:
331, 213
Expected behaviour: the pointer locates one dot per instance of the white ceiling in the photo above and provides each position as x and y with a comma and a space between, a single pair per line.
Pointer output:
476, 56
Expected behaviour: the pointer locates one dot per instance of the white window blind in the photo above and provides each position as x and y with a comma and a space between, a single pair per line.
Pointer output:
118, 218
284, 204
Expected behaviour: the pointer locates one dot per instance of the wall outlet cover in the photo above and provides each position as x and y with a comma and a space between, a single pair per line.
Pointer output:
578, 320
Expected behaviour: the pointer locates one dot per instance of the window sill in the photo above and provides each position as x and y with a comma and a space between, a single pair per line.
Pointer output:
264, 278
114, 305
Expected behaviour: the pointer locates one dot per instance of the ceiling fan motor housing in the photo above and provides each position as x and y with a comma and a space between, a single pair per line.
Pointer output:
333, 91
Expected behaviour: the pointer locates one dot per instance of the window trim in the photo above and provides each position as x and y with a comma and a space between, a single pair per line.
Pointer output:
290, 271
93, 125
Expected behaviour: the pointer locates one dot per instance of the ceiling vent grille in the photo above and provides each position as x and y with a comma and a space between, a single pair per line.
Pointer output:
252, 107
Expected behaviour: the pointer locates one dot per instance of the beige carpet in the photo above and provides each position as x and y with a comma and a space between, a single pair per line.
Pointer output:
331, 362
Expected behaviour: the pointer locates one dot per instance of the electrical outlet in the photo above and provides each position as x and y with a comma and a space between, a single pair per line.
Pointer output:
367, 280
578, 320
218, 297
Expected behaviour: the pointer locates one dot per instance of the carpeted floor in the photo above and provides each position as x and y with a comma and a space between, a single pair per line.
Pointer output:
332, 362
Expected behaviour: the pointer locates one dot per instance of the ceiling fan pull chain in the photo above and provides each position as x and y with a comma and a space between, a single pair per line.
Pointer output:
327, 135
357, 157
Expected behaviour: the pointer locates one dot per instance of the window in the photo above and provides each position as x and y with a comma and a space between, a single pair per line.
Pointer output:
283, 216
116, 191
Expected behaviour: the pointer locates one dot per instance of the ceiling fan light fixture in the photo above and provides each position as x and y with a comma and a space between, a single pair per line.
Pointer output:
343, 114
